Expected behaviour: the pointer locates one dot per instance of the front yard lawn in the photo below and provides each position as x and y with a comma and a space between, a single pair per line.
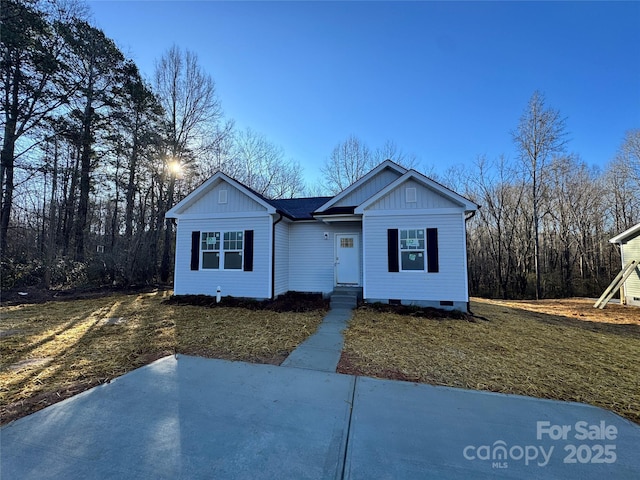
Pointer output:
562, 349
572, 352
51, 351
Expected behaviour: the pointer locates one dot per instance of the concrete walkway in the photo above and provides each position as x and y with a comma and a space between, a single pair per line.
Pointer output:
321, 351
194, 418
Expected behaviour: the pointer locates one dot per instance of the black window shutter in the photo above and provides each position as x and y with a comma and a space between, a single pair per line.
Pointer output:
432, 250
195, 250
248, 250
392, 250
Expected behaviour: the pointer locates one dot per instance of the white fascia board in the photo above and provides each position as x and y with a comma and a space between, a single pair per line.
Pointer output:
360, 181
206, 186
346, 217
413, 211
205, 216
629, 233
468, 205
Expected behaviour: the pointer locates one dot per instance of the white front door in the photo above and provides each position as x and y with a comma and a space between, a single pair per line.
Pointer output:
347, 259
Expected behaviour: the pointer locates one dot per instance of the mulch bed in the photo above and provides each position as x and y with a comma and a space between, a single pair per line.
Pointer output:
289, 302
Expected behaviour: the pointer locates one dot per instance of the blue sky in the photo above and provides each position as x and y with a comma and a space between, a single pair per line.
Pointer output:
446, 81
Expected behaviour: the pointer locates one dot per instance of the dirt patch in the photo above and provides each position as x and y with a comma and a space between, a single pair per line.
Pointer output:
113, 321
29, 362
10, 333
580, 309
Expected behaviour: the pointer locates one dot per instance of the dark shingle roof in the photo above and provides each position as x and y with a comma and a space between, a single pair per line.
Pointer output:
298, 208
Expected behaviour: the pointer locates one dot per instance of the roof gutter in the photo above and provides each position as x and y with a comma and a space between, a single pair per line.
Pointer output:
273, 254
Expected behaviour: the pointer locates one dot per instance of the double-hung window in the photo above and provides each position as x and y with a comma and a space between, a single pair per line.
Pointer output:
412, 250
222, 250
233, 243
210, 247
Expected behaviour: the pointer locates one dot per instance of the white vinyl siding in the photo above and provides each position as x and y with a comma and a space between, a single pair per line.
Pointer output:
254, 284
282, 258
449, 283
631, 251
312, 258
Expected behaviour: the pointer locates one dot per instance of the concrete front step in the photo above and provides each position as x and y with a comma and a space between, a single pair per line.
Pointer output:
345, 297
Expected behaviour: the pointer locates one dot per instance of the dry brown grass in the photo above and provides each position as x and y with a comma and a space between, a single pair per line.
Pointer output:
54, 350
592, 358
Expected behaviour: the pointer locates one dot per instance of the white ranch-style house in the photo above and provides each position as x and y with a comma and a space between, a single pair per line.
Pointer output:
396, 234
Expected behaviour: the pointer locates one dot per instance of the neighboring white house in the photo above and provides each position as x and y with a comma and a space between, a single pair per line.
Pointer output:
395, 233
629, 243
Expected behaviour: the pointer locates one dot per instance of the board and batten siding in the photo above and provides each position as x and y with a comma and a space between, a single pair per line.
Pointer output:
312, 258
237, 283
281, 258
369, 188
424, 198
631, 251
217, 201
448, 284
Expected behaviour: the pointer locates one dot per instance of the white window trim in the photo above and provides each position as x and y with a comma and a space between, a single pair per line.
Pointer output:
213, 250
221, 251
400, 250
235, 250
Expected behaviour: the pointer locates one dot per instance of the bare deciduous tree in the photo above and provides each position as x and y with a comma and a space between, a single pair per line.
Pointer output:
261, 165
192, 108
349, 160
540, 135
352, 158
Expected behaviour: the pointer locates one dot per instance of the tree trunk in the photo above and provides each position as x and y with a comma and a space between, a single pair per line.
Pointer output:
85, 184
7, 180
166, 248
7, 159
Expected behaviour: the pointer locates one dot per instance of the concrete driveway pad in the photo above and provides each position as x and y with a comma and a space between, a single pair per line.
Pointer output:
408, 430
188, 417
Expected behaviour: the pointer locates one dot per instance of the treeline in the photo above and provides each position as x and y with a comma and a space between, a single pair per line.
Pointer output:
93, 154
546, 217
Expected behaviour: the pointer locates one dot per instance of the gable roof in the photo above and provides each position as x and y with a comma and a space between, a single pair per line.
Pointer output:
307, 208
207, 185
467, 204
294, 208
386, 164
627, 234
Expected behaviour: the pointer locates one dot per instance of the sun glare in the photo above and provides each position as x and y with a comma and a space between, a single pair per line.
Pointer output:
175, 167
